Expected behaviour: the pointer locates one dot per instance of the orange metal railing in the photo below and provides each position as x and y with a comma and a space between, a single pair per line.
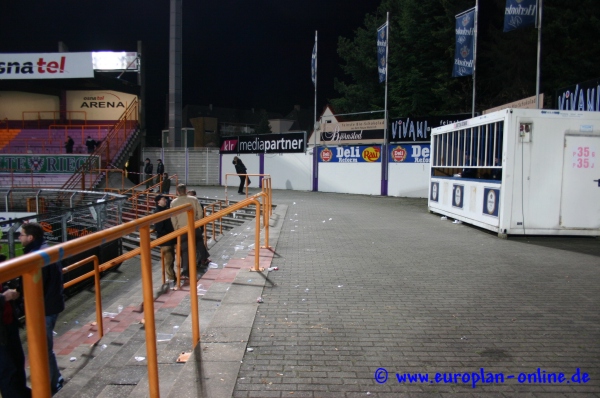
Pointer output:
38, 116
81, 129
96, 275
247, 178
29, 267
212, 207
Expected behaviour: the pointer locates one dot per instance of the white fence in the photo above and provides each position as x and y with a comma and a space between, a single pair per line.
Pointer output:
292, 171
193, 166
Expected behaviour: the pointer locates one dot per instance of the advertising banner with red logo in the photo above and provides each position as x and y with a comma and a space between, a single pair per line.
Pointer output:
265, 143
350, 154
404, 153
46, 66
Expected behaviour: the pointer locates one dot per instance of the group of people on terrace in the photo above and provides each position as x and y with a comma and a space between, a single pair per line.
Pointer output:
90, 143
176, 222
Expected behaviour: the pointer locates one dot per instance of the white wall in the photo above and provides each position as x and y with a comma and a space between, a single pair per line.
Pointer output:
357, 178
290, 171
13, 103
408, 180
294, 171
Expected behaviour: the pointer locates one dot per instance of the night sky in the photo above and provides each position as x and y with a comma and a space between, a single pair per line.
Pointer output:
243, 54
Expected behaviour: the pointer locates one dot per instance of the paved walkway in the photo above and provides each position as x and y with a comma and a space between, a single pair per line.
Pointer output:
374, 292
372, 289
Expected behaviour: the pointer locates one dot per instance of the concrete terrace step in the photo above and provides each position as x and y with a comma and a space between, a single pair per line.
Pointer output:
109, 368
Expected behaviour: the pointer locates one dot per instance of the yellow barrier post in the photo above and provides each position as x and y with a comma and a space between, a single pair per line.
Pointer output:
257, 236
98, 293
36, 333
99, 323
193, 276
147, 291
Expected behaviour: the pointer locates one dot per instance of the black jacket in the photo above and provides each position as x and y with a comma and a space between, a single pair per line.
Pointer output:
164, 227
160, 168
240, 168
90, 144
52, 277
148, 168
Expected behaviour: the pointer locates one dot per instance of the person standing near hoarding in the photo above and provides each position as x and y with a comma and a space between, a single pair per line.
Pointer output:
165, 185
160, 170
240, 168
148, 168
69, 144
32, 239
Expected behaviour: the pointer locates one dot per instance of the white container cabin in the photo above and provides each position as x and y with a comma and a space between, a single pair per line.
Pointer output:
519, 172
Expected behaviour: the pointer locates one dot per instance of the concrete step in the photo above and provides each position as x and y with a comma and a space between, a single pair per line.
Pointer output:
109, 367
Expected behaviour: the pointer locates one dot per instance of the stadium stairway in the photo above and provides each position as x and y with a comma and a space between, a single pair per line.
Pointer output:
116, 365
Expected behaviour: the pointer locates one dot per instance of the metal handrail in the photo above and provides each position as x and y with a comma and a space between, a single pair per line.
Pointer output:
261, 177
39, 115
29, 266
96, 274
85, 128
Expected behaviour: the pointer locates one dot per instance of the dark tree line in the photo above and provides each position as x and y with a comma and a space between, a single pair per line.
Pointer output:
421, 55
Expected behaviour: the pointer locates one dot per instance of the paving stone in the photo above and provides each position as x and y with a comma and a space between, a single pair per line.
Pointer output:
380, 284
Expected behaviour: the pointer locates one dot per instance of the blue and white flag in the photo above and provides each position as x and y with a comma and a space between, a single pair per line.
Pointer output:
465, 39
382, 37
519, 14
313, 64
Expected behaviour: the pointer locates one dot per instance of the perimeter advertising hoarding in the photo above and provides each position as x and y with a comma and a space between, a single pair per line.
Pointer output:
351, 154
360, 130
61, 164
265, 143
583, 96
418, 129
417, 153
46, 66
525, 103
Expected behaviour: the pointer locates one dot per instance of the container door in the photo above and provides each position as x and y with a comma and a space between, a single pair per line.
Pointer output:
580, 200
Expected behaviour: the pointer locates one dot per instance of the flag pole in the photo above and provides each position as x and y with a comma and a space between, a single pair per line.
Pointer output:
474, 55
384, 183
314, 125
315, 173
539, 52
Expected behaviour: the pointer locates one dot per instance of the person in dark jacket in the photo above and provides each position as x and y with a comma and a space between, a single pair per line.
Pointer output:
13, 382
202, 254
32, 239
90, 144
148, 169
163, 228
160, 170
240, 168
165, 185
69, 144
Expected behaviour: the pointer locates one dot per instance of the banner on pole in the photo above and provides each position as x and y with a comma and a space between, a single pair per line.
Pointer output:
382, 37
313, 64
465, 39
519, 14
